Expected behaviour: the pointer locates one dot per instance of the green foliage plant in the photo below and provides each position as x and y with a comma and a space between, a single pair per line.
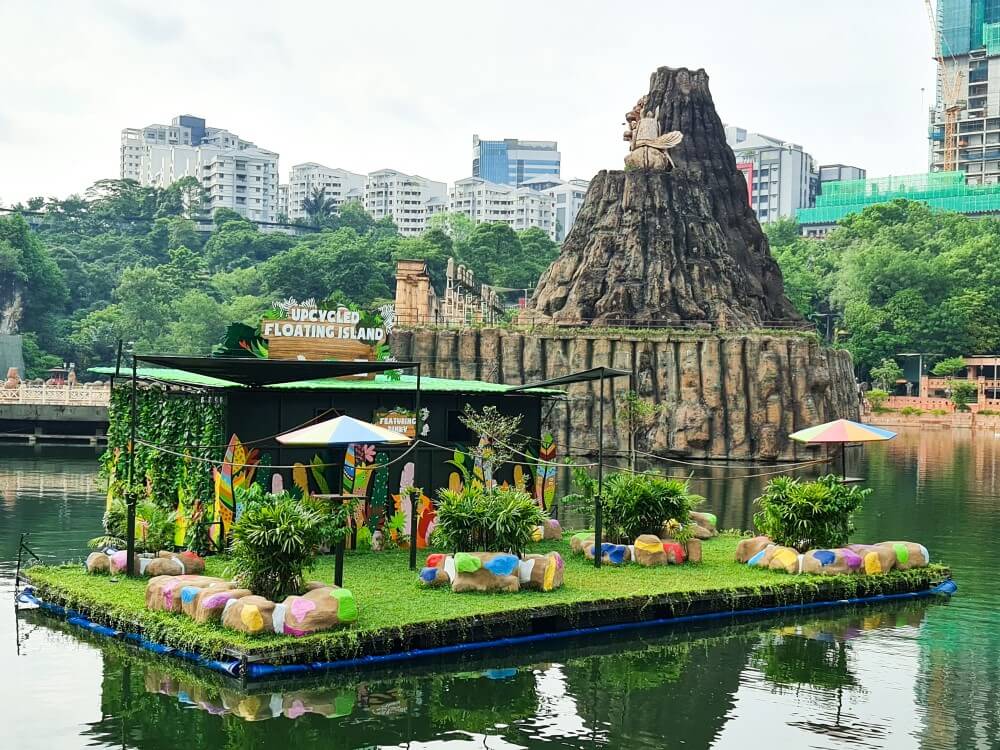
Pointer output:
274, 543
877, 398
808, 515
886, 373
637, 504
963, 393
911, 411
487, 520
949, 367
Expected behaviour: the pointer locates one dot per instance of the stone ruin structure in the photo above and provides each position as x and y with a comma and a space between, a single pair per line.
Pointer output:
464, 302
666, 273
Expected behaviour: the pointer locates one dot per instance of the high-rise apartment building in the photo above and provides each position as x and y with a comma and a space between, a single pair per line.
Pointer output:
567, 200
235, 173
970, 48
338, 185
402, 197
781, 177
488, 202
512, 161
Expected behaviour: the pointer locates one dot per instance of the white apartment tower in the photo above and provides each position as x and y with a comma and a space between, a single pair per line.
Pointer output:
567, 200
401, 197
489, 202
338, 185
235, 173
781, 176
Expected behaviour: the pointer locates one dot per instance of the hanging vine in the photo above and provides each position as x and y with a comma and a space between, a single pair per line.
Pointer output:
180, 421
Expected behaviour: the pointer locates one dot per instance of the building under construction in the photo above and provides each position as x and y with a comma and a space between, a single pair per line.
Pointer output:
965, 121
945, 191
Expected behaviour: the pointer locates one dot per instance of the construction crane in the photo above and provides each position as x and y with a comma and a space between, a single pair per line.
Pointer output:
950, 86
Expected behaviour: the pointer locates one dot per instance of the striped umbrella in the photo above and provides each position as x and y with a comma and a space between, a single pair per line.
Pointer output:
842, 431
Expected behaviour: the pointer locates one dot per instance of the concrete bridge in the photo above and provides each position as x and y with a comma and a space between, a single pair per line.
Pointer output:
54, 413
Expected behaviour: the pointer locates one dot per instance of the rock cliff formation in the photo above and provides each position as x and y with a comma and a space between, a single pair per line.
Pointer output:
670, 242
661, 245
727, 395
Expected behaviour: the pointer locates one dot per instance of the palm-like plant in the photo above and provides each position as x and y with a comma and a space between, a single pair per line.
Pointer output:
317, 206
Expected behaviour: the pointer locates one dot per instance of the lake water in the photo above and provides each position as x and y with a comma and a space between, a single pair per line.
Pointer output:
919, 675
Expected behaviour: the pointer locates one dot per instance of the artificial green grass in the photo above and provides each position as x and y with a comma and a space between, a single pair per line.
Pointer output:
394, 609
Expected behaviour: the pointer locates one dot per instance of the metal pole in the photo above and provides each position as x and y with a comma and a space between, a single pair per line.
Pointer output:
414, 504
600, 476
338, 560
130, 498
843, 460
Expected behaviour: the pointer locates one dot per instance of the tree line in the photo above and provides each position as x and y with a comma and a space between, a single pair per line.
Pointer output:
897, 278
124, 261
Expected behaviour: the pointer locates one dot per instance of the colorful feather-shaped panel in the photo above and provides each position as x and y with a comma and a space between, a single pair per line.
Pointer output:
547, 470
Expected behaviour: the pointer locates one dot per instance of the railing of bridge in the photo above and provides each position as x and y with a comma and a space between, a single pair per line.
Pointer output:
56, 395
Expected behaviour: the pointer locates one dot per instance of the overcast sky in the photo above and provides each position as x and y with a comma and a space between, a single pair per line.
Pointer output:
380, 83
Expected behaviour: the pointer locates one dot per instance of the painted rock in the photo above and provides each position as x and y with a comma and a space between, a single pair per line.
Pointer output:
749, 548
193, 562
908, 554
675, 552
439, 570
161, 566
831, 562
315, 611
549, 530
693, 549
705, 521
613, 554
874, 559
163, 593
208, 603
98, 563
249, 614
541, 572
776, 557
649, 550
579, 541
485, 571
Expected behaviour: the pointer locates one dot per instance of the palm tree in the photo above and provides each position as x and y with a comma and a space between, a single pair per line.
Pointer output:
318, 207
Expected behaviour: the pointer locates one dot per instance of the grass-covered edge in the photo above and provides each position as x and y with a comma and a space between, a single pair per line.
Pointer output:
397, 615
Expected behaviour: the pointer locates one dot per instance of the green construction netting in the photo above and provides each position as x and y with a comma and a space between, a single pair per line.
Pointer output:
991, 38
946, 191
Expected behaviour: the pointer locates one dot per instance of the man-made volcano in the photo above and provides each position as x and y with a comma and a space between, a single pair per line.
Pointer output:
672, 239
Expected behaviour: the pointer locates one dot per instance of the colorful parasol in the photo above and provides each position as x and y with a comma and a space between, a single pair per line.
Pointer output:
341, 431
842, 431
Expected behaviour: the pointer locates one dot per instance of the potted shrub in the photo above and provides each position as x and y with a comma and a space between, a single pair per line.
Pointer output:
808, 515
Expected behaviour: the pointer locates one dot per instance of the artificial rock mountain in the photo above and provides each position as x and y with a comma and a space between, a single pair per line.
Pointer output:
675, 246
664, 247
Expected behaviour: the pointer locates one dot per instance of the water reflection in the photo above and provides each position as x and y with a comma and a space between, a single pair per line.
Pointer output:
923, 674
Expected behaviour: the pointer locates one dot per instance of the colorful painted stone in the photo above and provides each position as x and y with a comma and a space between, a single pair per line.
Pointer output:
163, 593
549, 530
650, 550
613, 554
208, 603
692, 548
830, 562
875, 559
317, 610
780, 558
580, 540
750, 548
541, 572
705, 521
675, 552
249, 614
475, 572
439, 570
908, 554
